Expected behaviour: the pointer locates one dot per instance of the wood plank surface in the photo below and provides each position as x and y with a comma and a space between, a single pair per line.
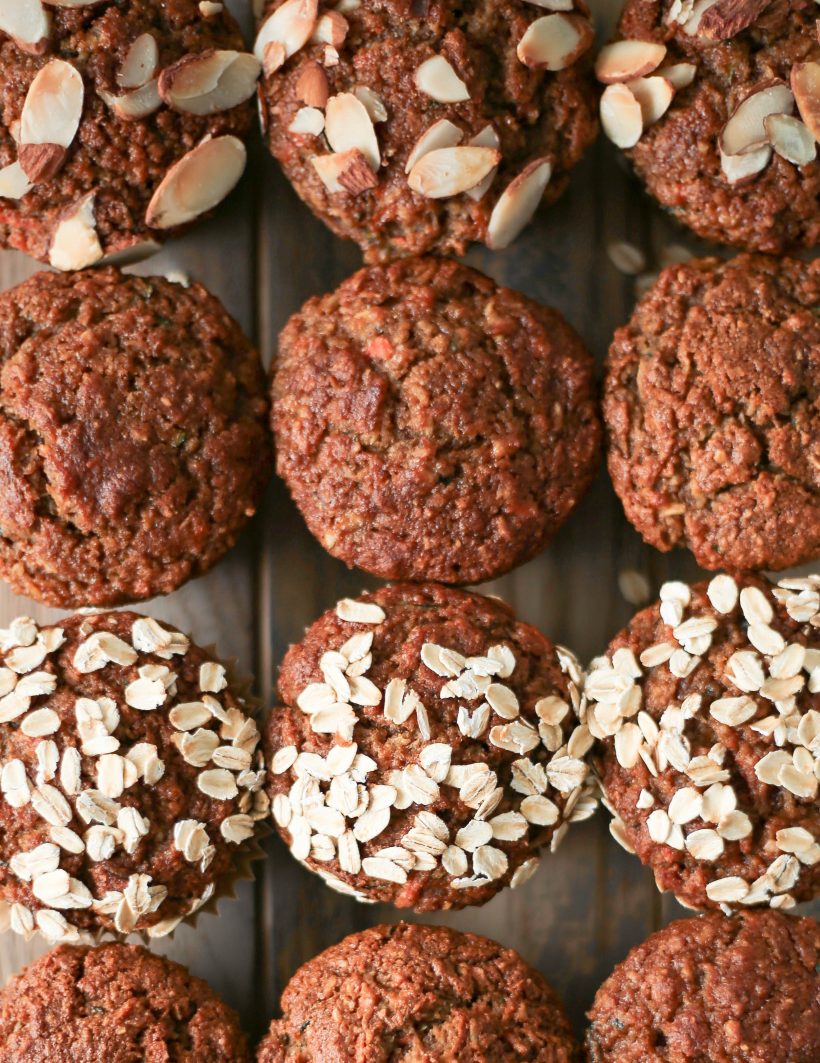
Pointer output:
264, 254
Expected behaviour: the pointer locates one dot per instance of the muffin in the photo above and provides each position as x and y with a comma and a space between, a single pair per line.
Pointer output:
739, 990
422, 127
707, 712
712, 408
115, 1004
121, 123
717, 104
130, 777
431, 425
427, 747
405, 993
133, 436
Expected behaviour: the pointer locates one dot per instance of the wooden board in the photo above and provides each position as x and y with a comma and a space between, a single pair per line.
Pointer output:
264, 255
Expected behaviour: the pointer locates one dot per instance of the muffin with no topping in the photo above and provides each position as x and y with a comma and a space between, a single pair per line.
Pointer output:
115, 1004
121, 123
413, 126
431, 425
133, 436
739, 990
707, 711
717, 104
427, 747
405, 993
130, 779
712, 406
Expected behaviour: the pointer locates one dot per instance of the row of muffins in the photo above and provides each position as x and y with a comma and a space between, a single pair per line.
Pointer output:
427, 749
411, 128
701, 989
429, 424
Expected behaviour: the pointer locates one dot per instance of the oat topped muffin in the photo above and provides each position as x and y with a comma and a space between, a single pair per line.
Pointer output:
413, 126
122, 121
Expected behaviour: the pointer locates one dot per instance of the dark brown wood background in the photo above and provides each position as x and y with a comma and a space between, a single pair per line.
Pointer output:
263, 255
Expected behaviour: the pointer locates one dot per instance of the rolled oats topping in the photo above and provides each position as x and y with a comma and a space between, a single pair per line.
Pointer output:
120, 812
464, 759
711, 771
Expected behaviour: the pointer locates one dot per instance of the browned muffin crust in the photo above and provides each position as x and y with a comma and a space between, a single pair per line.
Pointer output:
403, 993
707, 707
427, 747
431, 425
712, 406
713, 990
535, 115
130, 776
115, 1004
120, 161
133, 436
678, 157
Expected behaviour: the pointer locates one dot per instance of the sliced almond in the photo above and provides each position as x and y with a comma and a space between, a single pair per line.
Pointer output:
554, 5
75, 243
740, 168
209, 82
41, 162
727, 18
348, 126
436, 78
805, 83
343, 172
13, 181
273, 57
791, 139
441, 134
745, 131
621, 116
331, 28
132, 106
448, 172
140, 64
373, 103
654, 94
311, 85
626, 60
681, 75
53, 106
554, 42
28, 24
197, 182
308, 121
128, 254
517, 204
487, 138
290, 25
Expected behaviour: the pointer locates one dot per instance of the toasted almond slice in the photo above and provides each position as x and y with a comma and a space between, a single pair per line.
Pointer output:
627, 60
311, 85
28, 24
727, 18
745, 131
41, 162
348, 126
446, 172
13, 181
554, 42
131, 253
54, 106
209, 82
681, 75
197, 182
692, 24
140, 64
210, 8
436, 78
132, 106
331, 28
654, 94
621, 116
791, 139
372, 102
289, 25
487, 138
274, 57
517, 204
308, 121
75, 243
441, 134
805, 82
347, 165
554, 5
738, 169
